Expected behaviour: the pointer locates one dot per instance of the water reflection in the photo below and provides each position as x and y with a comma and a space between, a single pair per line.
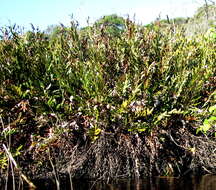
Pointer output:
207, 182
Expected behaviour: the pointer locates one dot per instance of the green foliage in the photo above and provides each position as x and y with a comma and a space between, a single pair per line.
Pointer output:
210, 122
211, 35
3, 161
53, 31
202, 21
94, 133
178, 21
111, 24
138, 78
204, 10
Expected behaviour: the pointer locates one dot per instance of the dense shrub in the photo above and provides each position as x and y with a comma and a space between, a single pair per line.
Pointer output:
136, 81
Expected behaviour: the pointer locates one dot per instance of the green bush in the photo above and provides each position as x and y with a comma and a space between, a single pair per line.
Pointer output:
138, 80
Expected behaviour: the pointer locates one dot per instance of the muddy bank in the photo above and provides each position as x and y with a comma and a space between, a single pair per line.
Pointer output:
176, 151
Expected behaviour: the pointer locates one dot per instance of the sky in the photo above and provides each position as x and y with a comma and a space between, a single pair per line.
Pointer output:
43, 13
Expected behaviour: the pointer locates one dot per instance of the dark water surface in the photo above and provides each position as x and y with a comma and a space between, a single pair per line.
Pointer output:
207, 182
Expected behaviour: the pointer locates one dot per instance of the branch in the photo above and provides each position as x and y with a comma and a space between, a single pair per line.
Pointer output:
206, 9
31, 185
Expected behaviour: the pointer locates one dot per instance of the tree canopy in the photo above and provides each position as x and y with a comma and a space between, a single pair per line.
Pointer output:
113, 24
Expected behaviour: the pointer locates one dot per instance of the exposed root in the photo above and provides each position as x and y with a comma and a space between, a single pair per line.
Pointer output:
116, 156
172, 152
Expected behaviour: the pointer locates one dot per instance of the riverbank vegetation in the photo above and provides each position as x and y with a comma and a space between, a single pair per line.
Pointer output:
108, 101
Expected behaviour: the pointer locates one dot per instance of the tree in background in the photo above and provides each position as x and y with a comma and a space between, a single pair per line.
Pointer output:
203, 20
53, 31
206, 7
112, 24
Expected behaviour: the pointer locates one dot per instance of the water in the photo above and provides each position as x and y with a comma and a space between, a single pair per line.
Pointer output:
207, 182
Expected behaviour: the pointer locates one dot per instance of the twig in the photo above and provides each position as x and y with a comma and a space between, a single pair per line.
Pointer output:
54, 172
70, 178
206, 170
31, 185
177, 143
13, 176
206, 8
